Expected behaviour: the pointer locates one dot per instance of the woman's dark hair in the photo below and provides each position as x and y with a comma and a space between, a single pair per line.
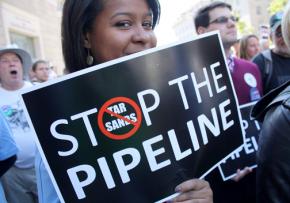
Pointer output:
202, 16
77, 19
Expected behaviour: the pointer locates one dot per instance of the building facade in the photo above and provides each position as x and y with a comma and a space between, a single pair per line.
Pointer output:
253, 14
33, 25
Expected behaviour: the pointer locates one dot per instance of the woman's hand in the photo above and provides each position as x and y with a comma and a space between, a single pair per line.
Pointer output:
194, 191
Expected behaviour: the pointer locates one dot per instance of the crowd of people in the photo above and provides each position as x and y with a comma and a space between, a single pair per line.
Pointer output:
94, 32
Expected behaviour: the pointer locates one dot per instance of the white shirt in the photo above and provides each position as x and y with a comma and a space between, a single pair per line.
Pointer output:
14, 114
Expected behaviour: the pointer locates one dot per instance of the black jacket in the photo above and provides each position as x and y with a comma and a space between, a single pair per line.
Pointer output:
273, 157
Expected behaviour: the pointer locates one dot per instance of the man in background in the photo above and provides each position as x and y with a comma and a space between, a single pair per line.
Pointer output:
41, 71
248, 85
19, 182
274, 63
273, 177
246, 75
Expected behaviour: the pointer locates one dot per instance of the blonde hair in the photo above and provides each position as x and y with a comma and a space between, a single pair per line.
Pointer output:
244, 44
286, 25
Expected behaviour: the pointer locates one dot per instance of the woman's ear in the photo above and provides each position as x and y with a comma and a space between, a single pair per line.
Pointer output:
201, 30
87, 41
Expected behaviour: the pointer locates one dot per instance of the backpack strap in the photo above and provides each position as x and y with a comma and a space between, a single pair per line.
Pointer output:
268, 71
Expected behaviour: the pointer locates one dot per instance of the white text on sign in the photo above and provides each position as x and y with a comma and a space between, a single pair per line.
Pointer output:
214, 123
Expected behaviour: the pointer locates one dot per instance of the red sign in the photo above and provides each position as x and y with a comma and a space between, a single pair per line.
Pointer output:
106, 109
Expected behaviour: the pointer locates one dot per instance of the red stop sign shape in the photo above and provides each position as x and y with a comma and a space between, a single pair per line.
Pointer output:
105, 109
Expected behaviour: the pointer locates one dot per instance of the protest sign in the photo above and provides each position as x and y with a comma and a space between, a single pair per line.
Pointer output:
245, 155
131, 129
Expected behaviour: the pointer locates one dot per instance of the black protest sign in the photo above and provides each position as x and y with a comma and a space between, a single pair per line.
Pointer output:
131, 130
245, 155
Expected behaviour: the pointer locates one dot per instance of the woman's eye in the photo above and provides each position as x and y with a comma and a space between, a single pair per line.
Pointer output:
148, 24
123, 24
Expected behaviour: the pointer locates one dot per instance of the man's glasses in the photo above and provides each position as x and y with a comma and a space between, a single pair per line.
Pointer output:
224, 20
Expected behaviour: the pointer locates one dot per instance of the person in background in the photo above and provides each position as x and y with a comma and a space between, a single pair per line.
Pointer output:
41, 71
264, 44
96, 31
274, 63
246, 75
249, 46
286, 25
52, 73
8, 151
273, 177
264, 35
247, 82
19, 182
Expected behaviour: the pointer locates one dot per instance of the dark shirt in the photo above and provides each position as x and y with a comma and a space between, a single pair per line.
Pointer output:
281, 70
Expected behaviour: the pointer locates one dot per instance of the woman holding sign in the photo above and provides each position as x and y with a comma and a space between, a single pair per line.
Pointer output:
95, 31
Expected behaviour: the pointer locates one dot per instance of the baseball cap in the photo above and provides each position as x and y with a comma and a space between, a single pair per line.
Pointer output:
275, 20
24, 55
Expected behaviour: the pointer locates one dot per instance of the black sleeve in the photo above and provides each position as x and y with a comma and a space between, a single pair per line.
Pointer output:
6, 164
273, 173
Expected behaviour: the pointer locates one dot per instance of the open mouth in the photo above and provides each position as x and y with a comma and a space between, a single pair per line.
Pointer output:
13, 72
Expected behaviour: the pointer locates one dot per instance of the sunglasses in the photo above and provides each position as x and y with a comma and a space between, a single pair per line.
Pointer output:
224, 20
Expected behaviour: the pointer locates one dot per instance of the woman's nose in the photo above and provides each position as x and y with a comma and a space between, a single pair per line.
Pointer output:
142, 35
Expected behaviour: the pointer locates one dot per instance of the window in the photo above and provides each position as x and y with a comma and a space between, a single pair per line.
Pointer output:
23, 42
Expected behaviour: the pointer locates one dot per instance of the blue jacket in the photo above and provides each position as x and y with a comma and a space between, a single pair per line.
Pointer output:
46, 191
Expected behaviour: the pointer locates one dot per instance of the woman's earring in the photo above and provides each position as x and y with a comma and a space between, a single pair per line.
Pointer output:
90, 59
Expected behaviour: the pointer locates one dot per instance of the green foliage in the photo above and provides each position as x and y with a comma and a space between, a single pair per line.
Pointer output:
277, 5
244, 28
